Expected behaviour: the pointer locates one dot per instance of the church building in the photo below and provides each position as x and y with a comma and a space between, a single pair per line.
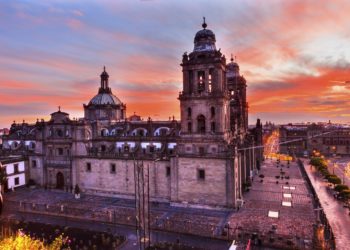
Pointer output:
202, 160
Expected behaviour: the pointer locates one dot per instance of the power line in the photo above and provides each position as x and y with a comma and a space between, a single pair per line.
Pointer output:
286, 142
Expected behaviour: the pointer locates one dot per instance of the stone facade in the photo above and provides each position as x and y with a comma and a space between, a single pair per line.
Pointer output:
202, 160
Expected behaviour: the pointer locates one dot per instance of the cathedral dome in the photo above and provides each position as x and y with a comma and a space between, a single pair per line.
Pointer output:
232, 68
105, 99
204, 39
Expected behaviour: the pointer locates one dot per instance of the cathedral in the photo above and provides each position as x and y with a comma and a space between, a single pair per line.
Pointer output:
202, 160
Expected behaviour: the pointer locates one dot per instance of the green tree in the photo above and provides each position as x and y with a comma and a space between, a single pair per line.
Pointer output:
340, 187
334, 179
345, 194
318, 162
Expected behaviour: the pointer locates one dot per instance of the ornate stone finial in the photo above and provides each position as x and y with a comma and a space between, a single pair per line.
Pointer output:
104, 68
59, 108
204, 25
14, 122
231, 57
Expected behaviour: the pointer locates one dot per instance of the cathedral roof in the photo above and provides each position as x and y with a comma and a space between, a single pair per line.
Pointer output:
105, 95
104, 99
232, 68
204, 39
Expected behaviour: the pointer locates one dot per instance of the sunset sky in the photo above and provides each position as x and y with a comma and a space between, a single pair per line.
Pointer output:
295, 55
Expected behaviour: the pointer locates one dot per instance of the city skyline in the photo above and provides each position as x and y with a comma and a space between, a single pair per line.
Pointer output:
295, 57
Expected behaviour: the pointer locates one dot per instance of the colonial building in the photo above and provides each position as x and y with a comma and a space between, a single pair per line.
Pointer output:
323, 138
201, 160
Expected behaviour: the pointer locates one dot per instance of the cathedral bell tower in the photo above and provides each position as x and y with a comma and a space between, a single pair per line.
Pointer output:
204, 101
237, 88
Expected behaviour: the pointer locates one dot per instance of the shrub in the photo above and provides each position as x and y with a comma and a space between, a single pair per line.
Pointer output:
340, 187
22, 241
345, 194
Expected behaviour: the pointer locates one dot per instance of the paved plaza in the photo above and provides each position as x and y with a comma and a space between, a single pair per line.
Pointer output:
291, 224
294, 222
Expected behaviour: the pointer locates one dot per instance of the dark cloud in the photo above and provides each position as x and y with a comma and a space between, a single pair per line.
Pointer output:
34, 108
270, 85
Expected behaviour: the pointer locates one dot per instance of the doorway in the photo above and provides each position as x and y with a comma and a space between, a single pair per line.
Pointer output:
59, 180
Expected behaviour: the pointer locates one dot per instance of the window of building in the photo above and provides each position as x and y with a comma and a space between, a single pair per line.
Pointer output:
167, 171
17, 181
189, 112
126, 148
33, 163
60, 151
113, 168
189, 127
15, 167
201, 124
190, 82
59, 132
201, 150
201, 174
151, 149
212, 112
210, 80
103, 148
88, 167
201, 83
212, 127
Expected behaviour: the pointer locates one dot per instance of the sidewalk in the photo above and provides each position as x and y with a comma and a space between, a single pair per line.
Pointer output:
337, 215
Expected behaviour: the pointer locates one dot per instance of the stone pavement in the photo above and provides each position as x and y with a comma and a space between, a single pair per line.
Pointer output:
337, 215
294, 225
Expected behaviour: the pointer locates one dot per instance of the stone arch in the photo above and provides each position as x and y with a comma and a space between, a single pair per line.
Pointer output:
139, 132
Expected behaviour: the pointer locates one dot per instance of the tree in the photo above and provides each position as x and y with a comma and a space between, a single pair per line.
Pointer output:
345, 194
23, 241
334, 179
340, 187
3, 176
318, 162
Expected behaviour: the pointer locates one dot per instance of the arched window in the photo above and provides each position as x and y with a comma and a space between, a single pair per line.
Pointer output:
201, 124
212, 111
189, 112
59, 132
104, 132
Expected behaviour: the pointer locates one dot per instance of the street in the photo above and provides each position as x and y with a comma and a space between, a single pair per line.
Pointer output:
337, 215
